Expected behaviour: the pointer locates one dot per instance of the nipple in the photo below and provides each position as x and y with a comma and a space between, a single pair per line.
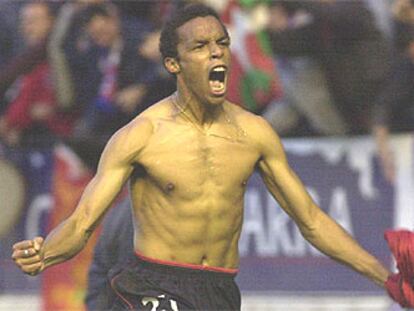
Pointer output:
170, 187
244, 183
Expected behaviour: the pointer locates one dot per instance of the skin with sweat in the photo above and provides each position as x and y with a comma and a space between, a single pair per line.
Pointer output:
188, 159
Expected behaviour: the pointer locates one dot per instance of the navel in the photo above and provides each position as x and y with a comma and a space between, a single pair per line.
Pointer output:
204, 260
244, 183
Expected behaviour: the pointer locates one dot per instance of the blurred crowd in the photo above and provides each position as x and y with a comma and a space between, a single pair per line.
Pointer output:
76, 71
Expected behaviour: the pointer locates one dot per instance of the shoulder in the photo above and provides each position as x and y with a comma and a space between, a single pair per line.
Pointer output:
257, 128
241, 114
135, 130
161, 109
147, 119
250, 122
134, 135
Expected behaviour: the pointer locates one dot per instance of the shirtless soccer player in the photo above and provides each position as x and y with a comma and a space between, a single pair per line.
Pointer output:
187, 160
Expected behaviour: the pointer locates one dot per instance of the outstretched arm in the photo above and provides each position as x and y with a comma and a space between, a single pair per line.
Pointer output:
67, 239
315, 225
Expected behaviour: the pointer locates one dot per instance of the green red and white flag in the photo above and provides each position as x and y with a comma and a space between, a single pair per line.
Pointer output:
253, 81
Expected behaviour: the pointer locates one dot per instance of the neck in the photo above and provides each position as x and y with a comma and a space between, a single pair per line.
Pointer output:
197, 111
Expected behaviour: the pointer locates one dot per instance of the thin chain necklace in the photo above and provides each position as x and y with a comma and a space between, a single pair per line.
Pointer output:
239, 131
184, 113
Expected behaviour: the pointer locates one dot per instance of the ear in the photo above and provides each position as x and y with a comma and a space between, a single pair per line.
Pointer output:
172, 65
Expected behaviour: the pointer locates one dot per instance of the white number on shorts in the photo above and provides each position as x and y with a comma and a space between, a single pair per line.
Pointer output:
155, 302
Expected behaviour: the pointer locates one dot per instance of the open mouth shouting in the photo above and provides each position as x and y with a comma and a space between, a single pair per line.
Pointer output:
217, 80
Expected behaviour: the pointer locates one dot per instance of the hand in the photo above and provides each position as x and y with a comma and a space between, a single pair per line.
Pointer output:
41, 111
11, 136
382, 139
149, 48
301, 18
403, 11
279, 20
386, 158
129, 98
26, 255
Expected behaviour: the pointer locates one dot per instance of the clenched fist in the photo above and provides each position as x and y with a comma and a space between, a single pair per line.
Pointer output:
26, 255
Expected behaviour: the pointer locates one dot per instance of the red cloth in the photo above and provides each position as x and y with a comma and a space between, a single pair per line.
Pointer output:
22, 64
400, 286
37, 87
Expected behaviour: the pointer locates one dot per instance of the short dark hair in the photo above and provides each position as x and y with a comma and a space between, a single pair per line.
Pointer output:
169, 35
91, 11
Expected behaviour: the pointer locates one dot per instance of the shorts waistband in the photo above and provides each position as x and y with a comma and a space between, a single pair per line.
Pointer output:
184, 268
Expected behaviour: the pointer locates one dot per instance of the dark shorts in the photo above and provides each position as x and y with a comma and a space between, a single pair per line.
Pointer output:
154, 285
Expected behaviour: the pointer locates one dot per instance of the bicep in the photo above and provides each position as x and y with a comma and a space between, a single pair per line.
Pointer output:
114, 169
102, 189
283, 183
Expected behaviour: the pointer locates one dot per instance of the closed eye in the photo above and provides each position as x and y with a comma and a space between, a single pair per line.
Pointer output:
225, 42
199, 45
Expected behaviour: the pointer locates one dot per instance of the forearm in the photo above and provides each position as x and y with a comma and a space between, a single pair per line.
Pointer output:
63, 242
57, 57
332, 240
381, 135
315, 225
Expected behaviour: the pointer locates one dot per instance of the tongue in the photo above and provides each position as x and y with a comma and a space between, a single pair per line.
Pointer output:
217, 87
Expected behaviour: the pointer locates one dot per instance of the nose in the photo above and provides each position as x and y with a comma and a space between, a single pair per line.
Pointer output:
216, 51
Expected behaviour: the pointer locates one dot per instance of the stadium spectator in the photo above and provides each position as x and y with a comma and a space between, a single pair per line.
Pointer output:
32, 117
394, 108
113, 78
307, 106
354, 55
18, 55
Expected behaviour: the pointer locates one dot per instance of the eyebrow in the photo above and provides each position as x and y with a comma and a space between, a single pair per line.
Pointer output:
225, 37
200, 41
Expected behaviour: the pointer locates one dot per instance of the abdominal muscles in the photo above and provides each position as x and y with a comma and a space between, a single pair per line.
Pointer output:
201, 227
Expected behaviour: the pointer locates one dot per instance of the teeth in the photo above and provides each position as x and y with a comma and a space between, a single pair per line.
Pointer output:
218, 74
219, 69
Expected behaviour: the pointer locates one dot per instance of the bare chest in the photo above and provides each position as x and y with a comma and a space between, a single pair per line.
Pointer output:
184, 158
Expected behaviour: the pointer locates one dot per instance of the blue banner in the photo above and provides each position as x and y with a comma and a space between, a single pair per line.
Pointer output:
34, 168
343, 178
